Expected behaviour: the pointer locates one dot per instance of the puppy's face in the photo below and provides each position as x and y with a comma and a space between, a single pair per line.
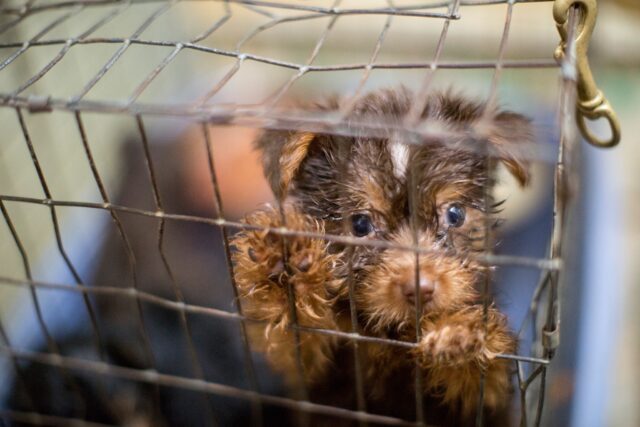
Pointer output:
431, 194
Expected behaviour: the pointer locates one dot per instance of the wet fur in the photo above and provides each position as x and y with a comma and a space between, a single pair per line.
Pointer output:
322, 180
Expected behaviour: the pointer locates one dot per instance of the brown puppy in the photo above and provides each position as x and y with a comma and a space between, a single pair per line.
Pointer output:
359, 187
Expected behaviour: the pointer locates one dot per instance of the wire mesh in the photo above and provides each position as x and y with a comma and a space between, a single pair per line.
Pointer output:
206, 109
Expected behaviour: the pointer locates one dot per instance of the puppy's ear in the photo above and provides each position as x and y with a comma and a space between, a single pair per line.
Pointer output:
282, 154
508, 132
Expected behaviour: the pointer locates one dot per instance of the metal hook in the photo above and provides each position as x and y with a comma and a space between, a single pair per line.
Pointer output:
592, 103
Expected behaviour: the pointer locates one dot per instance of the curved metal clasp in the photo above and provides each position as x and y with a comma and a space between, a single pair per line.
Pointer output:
592, 103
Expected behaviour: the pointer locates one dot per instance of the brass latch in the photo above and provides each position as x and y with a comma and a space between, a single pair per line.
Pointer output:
592, 103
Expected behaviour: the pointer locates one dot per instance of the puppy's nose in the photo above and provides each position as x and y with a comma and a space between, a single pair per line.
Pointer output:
426, 289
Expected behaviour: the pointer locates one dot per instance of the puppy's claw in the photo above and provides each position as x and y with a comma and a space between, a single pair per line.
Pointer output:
276, 271
305, 264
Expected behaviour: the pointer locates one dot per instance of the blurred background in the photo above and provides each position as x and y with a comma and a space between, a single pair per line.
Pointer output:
593, 380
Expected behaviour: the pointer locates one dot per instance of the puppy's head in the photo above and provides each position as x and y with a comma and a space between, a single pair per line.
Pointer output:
432, 193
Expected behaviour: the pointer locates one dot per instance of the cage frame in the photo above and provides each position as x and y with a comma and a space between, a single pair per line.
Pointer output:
204, 115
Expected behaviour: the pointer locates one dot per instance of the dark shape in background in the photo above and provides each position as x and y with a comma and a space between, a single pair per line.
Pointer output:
196, 257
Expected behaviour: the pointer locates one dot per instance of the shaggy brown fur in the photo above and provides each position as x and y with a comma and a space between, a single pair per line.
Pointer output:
359, 186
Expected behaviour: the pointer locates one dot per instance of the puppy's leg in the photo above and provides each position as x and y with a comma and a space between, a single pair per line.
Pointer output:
265, 282
457, 348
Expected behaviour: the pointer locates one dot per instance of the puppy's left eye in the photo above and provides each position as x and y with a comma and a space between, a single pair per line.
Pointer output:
454, 215
361, 225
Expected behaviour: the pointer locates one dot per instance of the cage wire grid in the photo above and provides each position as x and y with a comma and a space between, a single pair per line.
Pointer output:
543, 315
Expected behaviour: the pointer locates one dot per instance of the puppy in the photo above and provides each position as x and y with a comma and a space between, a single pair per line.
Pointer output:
432, 195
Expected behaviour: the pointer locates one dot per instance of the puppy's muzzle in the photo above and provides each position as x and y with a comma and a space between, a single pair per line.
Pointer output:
426, 288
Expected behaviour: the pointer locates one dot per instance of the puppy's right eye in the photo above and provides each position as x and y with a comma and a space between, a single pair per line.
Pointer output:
361, 225
455, 215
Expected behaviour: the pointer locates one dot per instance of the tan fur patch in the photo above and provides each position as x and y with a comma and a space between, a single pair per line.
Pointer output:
449, 194
375, 195
381, 298
293, 153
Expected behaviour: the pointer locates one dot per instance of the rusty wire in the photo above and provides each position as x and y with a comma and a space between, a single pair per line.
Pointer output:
264, 115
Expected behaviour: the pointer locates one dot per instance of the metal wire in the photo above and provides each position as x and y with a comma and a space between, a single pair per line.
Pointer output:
204, 111
249, 366
489, 259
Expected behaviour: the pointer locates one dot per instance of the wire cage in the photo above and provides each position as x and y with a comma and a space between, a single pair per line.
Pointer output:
80, 77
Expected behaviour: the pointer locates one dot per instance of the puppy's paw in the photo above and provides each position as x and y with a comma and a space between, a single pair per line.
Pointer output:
460, 348
451, 345
263, 275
